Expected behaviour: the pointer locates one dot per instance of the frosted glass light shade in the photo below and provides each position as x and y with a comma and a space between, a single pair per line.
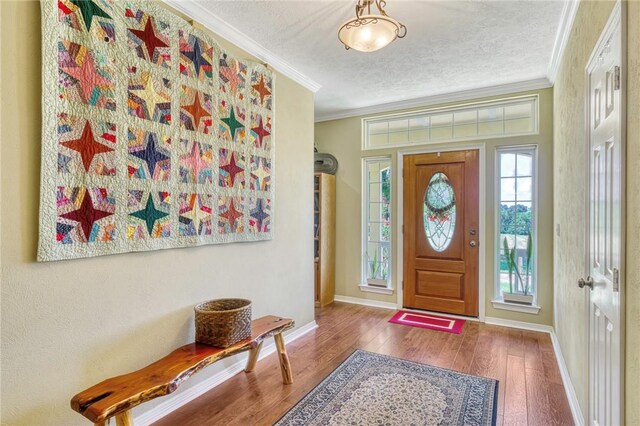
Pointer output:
369, 32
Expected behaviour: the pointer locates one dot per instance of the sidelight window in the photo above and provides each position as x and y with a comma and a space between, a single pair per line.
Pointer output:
376, 244
516, 225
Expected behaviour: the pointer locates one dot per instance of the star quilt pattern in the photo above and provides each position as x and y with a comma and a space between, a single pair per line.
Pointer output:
153, 135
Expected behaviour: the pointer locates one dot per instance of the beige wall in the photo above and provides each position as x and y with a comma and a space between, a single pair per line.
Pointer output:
342, 138
632, 374
570, 194
67, 325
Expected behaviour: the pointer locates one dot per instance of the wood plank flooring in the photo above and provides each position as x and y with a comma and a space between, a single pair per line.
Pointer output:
530, 390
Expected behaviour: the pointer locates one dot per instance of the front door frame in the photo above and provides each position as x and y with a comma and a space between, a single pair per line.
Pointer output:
482, 186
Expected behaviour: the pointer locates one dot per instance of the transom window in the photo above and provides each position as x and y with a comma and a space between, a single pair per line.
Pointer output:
481, 120
516, 224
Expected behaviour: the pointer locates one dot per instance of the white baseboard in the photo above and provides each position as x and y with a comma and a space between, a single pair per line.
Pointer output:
564, 372
566, 381
365, 302
519, 324
179, 399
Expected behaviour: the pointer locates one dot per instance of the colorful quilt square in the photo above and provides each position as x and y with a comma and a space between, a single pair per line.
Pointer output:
259, 215
149, 155
260, 134
86, 146
260, 174
232, 122
94, 17
232, 167
148, 214
261, 90
233, 77
148, 37
196, 164
195, 110
85, 76
230, 215
195, 214
149, 96
196, 57
85, 215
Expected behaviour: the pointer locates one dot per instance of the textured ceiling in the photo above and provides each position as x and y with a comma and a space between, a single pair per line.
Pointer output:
451, 46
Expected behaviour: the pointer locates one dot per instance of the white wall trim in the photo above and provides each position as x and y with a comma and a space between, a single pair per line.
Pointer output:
562, 36
464, 95
198, 12
542, 328
372, 289
365, 302
572, 398
179, 399
481, 219
566, 381
513, 307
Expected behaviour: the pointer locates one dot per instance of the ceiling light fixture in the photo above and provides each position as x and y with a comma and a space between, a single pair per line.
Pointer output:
368, 33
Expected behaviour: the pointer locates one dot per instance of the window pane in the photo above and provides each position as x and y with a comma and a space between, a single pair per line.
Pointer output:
519, 125
465, 117
507, 189
507, 165
507, 218
440, 133
525, 164
417, 136
398, 137
442, 120
524, 188
377, 127
378, 140
490, 114
465, 131
517, 111
490, 128
419, 123
523, 218
399, 125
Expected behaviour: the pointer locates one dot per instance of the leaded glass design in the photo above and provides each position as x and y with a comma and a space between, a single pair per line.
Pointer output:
439, 212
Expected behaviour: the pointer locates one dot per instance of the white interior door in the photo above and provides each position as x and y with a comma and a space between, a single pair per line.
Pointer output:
605, 226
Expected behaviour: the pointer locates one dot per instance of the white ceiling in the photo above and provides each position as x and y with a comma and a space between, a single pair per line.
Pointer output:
450, 47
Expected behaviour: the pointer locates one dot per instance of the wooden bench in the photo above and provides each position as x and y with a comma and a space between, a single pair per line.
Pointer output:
118, 395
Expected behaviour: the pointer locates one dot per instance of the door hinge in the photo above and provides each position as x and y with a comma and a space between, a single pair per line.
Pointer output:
616, 279
616, 77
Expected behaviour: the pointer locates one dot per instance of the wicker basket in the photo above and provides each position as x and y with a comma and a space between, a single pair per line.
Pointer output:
223, 322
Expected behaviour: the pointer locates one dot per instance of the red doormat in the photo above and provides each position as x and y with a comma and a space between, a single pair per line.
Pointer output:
432, 322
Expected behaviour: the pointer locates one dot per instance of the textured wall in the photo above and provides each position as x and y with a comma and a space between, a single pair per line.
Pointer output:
343, 139
570, 151
67, 325
632, 376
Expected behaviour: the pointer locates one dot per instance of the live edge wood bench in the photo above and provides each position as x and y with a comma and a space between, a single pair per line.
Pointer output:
118, 395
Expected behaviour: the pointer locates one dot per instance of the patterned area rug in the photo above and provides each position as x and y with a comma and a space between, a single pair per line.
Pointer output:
374, 389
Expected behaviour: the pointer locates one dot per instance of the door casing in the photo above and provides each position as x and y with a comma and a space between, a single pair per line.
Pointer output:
482, 240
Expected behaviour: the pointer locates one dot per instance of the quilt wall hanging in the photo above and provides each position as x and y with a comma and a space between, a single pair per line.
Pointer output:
153, 136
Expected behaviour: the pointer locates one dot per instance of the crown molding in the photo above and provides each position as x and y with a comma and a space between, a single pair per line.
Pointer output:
214, 23
465, 95
567, 19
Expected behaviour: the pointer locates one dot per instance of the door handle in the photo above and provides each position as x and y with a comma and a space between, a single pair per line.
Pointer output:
588, 282
473, 243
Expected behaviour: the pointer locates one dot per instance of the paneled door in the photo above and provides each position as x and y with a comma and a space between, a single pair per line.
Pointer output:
606, 240
440, 226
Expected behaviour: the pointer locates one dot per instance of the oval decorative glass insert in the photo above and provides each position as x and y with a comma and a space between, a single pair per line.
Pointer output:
439, 213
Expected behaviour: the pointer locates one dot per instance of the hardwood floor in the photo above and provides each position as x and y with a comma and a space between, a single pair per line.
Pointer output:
530, 389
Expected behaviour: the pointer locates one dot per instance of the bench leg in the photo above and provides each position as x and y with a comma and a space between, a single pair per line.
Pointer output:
285, 366
253, 358
124, 419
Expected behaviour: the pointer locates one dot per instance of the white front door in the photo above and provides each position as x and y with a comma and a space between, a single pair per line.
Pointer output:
606, 240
